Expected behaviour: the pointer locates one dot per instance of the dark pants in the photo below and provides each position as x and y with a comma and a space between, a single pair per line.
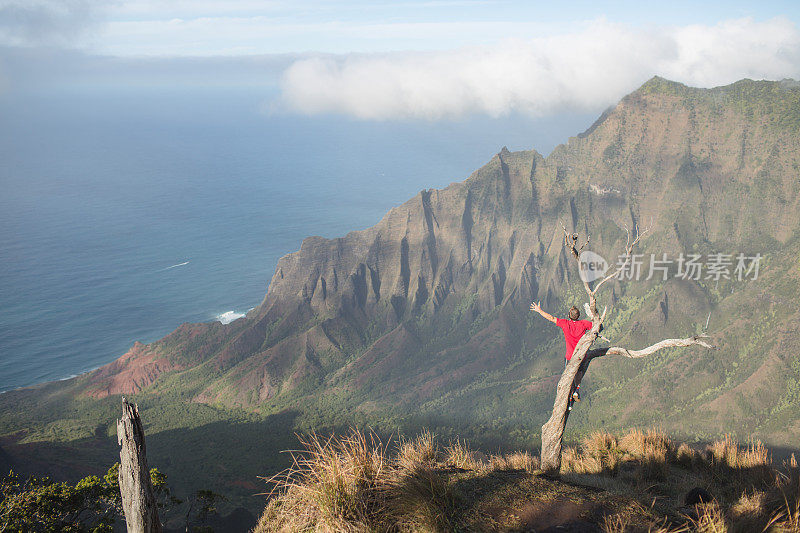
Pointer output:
578, 375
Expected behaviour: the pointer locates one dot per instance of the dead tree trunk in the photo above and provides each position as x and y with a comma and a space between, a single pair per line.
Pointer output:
553, 429
138, 501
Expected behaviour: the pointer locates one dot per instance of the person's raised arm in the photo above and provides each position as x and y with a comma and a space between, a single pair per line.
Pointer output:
538, 308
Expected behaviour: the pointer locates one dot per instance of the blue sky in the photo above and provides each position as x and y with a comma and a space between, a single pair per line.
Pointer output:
393, 59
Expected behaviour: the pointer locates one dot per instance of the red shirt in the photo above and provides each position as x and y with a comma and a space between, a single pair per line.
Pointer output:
573, 331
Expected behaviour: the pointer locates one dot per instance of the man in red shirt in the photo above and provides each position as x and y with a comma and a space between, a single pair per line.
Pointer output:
573, 329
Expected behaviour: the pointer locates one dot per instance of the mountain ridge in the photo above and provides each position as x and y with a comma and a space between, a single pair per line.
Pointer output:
411, 277
437, 247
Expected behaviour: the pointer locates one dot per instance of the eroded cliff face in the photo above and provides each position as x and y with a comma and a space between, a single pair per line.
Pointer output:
435, 295
467, 238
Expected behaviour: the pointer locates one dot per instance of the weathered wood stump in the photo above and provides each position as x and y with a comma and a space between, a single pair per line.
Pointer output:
138, 500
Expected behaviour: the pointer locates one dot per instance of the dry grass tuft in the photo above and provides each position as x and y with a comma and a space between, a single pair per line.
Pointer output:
686, 456
653, 449
615, 524
351, 484
787, 517
514, 461
499, 462
752, 462
605, 448
458, 455
599, 453
334, 482
653, 442
599, 442
421, 500
723, 452
523, 461
421, 450
749, 504
709, 519
622, 523
727, 452
574, 462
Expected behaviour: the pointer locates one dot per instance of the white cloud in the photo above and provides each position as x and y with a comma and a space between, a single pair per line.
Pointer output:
587, 69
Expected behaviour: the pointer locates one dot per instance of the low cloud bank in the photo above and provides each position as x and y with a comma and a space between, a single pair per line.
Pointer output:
587, 70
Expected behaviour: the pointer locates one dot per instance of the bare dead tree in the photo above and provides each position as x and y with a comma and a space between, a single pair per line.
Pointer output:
553, 429
138, 500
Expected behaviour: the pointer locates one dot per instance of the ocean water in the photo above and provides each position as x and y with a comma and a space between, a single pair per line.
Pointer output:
125, 214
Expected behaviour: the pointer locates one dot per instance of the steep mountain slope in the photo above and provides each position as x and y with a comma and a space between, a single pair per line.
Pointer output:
436, 294
423, 319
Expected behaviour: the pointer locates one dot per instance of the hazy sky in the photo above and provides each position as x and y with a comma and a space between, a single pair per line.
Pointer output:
393, 59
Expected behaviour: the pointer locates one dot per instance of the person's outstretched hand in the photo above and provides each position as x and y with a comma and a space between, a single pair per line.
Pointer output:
536, 307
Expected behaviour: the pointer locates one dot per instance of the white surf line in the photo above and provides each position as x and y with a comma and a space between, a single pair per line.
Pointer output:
174, 266
229, 316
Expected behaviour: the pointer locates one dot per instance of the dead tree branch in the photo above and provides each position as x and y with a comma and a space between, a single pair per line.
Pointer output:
628, 252
696, 340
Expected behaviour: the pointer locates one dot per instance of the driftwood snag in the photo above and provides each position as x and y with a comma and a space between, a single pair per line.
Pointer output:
138, 501
553, 429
